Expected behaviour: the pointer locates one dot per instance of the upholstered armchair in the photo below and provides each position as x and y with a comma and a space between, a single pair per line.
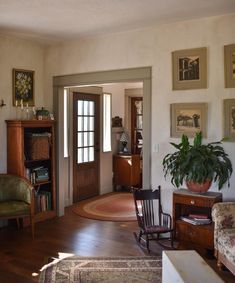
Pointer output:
223, 215
16, 199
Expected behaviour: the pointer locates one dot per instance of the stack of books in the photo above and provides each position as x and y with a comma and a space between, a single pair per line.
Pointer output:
43, 201
196, 219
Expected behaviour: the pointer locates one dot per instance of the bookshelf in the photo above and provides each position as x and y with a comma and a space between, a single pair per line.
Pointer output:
31, 154
186, 204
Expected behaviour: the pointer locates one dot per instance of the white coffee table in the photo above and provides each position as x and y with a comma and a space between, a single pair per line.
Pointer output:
186, 267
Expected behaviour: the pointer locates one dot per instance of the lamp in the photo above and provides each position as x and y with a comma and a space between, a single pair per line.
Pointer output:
124, 140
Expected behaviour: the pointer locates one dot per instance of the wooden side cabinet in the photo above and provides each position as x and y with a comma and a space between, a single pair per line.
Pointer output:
126, 170
186, 203
38, 166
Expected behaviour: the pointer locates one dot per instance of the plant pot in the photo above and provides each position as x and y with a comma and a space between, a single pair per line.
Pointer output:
198, 188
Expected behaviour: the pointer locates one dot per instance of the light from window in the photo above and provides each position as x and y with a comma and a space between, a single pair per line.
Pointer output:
106, 122
66, 153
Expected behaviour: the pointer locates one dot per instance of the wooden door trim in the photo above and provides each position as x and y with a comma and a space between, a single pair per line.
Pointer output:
143, 74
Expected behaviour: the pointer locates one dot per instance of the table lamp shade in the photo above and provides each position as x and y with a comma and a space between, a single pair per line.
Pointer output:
124, 137
124, 140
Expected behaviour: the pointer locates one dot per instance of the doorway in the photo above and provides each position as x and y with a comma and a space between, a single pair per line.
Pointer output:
126, 75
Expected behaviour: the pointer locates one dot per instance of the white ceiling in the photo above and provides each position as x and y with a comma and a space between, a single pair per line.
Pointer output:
51, 21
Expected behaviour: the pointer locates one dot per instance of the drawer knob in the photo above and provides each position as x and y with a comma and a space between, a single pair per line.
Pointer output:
192, 201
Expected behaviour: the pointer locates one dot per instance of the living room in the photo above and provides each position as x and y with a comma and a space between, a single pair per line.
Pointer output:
145, 46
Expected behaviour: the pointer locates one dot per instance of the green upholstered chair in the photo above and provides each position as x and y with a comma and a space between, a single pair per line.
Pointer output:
16, 199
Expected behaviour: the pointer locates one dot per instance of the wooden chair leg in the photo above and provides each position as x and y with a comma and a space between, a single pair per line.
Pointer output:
140, 235
18, 223
172, 242
147, 243
32, 226
219, 264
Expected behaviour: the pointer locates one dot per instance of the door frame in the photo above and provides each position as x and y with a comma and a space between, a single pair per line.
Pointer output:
143, 74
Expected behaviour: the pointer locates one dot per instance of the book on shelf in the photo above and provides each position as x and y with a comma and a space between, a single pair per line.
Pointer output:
37, 175
195, 221
199, 216
43, 201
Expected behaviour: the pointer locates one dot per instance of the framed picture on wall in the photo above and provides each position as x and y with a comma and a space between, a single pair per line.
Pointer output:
229, 119
189, 69
23, 87
229, 65
188, 119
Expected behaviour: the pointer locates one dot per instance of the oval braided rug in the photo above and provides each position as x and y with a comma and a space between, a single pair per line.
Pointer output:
116, 206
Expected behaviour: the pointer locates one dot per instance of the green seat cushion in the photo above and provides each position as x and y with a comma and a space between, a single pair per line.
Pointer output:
13, 208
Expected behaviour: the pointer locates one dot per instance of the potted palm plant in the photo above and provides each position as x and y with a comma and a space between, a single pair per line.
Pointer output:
198, 164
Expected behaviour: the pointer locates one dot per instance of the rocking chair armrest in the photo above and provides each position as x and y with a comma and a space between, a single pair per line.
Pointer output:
169, 218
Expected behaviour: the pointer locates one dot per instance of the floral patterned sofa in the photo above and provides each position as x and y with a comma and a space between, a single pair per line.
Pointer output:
223, 215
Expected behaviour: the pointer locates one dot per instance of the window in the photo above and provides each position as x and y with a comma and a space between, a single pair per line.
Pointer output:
106, 122
85, 131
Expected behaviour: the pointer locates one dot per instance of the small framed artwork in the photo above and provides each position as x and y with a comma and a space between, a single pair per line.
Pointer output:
189, 69
229, 65
188, 119
229, 119
23, 87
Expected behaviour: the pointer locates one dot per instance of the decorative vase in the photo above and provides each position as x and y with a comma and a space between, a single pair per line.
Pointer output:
198, 188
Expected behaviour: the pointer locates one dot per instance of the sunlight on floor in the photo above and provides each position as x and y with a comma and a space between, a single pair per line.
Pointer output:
35, 274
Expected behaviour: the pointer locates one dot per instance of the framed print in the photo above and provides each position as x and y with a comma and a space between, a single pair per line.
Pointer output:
229, 119
229, 65
23, 87
189, 69
188, 118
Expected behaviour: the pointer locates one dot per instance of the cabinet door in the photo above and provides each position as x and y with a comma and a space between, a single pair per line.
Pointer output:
201, 235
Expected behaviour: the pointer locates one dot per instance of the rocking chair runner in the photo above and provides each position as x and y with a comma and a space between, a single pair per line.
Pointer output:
152, 220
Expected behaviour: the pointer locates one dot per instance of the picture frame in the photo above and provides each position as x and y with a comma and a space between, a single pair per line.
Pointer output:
189, 69
188, 119
23, 87
229, 119
229, 65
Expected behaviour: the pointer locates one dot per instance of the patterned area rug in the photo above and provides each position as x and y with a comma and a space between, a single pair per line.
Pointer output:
111, 207
103, 270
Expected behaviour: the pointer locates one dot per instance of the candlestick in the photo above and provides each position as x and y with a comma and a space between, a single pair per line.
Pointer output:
21, 104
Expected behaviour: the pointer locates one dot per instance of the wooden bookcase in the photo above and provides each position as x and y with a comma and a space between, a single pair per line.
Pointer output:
19, 162
185, 203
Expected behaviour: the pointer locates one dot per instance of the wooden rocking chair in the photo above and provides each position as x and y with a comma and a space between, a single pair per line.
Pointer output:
152, 220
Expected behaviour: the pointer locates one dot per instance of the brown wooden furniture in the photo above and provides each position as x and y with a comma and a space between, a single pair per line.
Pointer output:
185, 203
136, 125
19, 162
152, 220
126, 171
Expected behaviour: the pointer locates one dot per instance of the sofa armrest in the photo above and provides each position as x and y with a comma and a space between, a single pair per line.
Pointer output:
223, 215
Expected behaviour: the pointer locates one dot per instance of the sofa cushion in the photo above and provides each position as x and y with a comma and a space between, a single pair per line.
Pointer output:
226, 244
13, 208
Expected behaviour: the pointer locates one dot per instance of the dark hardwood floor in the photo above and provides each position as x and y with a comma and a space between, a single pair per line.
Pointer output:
21, 257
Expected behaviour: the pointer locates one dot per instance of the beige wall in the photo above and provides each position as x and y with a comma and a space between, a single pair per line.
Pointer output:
19, 54
153, 47
148, 47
